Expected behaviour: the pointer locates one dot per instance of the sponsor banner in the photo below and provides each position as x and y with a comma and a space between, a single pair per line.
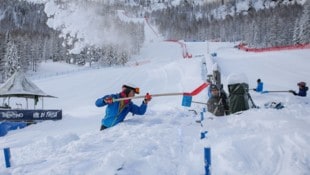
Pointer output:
25, 115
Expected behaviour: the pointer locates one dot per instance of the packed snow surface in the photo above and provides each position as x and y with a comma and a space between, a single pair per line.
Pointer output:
166, 140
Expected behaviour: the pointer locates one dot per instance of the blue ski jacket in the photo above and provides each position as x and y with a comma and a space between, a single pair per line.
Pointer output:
259, 87
116, 113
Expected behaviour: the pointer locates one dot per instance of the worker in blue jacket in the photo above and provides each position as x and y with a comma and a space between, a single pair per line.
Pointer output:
260, 86
117, 111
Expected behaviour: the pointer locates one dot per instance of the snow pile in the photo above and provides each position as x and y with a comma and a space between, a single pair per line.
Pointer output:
237, 78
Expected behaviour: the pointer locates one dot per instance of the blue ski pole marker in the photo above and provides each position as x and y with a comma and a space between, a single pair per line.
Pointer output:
201, 116
203, 134
7, 157
207, 154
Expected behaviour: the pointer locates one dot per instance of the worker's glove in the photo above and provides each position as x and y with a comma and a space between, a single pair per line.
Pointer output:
293, 92
108, 100
147, 98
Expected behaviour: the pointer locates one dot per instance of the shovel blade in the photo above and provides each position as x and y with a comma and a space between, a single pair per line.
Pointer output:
187, 101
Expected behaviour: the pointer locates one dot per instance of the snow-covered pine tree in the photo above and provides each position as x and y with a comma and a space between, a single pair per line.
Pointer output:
11, 59
305, 24
2, 53
296, 38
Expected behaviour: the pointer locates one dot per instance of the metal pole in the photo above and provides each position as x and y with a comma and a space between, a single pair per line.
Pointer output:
199, 103
42, 102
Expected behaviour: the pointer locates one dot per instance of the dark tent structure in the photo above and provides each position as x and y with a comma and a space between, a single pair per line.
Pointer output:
19, 86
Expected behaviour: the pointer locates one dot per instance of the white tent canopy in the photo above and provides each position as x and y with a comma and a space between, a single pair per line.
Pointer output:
19, 86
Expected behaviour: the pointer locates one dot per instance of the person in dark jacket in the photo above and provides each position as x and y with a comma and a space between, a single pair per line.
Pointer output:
260, 86
224, 98
117, 111
217, 103
302, 89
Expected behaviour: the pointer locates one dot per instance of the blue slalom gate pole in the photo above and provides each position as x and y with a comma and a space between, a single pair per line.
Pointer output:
207, 153
7, 157
202, 116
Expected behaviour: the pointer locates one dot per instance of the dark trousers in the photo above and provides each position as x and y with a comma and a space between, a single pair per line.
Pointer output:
103, 127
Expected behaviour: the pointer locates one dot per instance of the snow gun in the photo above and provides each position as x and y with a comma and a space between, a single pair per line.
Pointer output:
187, 96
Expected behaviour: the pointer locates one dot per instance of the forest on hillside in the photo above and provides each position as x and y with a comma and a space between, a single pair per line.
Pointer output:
26, 39
279, 25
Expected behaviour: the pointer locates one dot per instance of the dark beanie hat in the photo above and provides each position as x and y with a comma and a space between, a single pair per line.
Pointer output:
214, 87
128, 88
127, 91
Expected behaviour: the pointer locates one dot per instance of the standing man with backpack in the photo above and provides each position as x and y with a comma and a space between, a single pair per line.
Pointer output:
117, 111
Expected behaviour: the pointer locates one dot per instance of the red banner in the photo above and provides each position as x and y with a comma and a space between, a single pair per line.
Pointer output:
278, 48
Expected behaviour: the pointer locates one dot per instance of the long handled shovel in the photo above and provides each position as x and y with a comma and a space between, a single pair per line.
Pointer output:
198, 102
264, 92
187, 96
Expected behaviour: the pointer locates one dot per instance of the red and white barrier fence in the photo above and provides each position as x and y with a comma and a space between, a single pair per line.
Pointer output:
277, 48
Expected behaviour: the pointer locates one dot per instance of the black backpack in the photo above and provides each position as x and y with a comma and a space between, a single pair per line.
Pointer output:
239, 97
